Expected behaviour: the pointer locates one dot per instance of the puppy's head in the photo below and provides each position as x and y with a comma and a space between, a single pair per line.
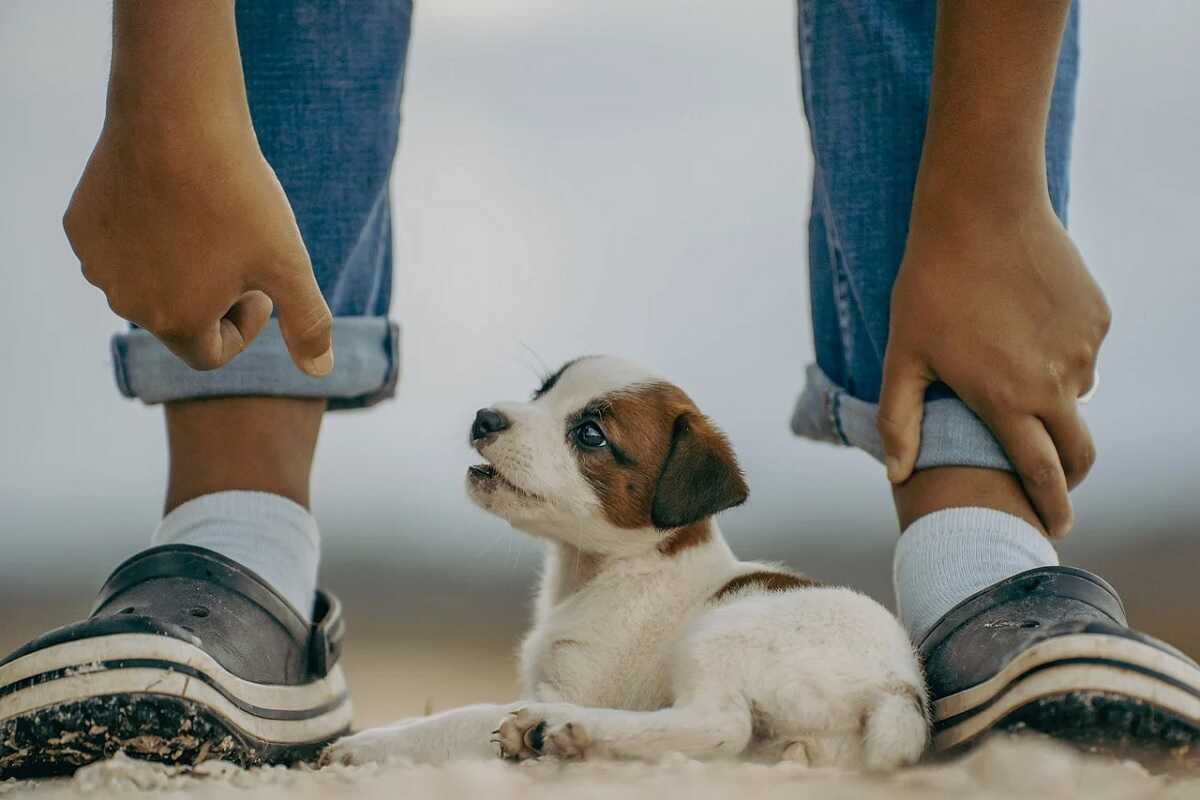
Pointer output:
606, 457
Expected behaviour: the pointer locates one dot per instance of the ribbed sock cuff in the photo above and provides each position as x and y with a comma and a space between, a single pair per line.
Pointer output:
947, 556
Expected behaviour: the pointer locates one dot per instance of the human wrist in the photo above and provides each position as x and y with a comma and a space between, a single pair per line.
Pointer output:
159, 132
975, 185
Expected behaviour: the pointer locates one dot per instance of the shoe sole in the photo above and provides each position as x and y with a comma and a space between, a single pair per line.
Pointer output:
157, 698
1103, 692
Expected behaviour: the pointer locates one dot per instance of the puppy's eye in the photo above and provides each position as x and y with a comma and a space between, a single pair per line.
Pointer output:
589, 435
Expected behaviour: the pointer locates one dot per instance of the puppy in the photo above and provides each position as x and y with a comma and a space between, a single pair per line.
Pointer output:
649, 636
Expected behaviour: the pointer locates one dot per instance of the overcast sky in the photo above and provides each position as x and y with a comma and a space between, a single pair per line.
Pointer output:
626, 177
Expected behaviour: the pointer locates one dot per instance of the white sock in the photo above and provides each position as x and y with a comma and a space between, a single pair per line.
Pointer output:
945, 557
266, 533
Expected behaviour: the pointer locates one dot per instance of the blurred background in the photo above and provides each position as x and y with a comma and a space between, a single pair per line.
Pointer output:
627, 177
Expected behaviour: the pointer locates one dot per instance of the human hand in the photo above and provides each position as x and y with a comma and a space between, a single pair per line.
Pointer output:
178, 218
997, 304
193, 240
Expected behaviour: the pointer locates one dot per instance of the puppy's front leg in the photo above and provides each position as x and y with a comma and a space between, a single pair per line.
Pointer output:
568, 731
460, 733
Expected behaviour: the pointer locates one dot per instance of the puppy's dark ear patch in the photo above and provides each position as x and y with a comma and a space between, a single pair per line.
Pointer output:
551, 379
700, 476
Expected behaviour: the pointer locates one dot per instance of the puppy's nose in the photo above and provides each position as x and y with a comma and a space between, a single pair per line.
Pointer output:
486, 423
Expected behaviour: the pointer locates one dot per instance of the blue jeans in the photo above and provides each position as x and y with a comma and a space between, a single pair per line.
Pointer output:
324, 81
865, 69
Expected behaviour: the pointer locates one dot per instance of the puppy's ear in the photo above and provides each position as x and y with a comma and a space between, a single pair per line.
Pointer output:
700, 476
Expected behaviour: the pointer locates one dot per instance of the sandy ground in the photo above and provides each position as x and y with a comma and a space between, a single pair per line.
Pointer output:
434, 650
1002, 768
475, 667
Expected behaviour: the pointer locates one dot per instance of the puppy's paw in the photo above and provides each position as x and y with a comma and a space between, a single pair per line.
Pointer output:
568, 740
542, 730
520, 736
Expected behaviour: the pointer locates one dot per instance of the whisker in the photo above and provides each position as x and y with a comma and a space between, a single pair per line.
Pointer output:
545, 367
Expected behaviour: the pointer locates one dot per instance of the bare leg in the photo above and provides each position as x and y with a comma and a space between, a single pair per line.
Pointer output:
957, 487
263, 444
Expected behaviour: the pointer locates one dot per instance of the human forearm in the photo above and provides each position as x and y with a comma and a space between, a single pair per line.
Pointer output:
993, 74
178, 218
992, 297
177, 63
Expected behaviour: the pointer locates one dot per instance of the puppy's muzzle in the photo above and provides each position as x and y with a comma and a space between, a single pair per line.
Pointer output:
488, 422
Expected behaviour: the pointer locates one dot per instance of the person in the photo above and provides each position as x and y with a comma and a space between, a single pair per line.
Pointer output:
236, 210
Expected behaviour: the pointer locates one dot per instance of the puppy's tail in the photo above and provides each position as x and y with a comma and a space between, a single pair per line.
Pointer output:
896, 728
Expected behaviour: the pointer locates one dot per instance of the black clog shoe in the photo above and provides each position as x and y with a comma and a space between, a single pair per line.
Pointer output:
187, 656
1049, 650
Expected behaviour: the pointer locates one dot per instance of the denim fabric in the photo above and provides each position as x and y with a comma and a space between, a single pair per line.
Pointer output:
866, 67
324, 80
368, 350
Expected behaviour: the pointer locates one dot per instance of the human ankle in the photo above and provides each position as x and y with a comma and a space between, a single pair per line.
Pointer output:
964, 528
262, 444
270, 535
941, 488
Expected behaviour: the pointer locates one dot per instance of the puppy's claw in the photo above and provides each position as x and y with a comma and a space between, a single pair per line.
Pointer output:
516, 737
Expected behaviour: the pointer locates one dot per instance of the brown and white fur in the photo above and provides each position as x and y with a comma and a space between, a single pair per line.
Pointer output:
649, 636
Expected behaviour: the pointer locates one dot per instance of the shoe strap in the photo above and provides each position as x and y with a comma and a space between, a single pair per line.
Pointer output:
1071, 582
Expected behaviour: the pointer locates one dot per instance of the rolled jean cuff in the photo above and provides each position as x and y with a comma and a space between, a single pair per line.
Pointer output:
951, 434
366, 367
